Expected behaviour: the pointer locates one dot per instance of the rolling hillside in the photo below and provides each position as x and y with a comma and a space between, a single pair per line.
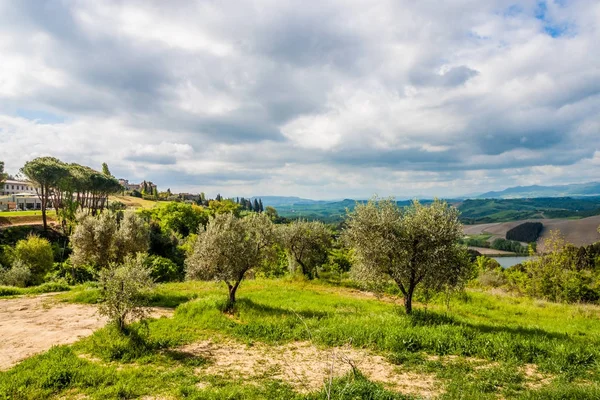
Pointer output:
576, 231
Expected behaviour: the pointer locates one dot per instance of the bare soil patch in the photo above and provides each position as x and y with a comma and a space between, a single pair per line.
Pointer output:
305, 366
31, 325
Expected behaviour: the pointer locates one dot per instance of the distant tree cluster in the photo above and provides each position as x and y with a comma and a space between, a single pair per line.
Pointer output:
255, 205
511, 245
526, 232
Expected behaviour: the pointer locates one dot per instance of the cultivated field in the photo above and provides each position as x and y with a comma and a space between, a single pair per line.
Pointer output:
579, 232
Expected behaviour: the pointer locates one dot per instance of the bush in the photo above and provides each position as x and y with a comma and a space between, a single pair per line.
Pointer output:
492, 278
164, 270
72, 274
19, 275
36, 253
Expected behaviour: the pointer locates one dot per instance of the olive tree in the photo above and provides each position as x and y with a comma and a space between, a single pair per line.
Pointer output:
415, 246
306, 244
122, 287
230, 247
100, 240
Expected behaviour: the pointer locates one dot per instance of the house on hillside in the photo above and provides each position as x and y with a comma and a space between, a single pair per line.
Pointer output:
149, 186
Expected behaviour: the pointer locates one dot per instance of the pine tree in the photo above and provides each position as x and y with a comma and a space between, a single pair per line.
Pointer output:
260, 205
256, 207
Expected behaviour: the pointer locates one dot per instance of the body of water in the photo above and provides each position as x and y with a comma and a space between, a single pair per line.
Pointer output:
510, 261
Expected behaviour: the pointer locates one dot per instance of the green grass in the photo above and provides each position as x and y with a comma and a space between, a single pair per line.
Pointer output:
25, 213
501, 333
50, 287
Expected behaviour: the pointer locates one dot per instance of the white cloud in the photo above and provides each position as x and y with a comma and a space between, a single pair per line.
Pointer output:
344, 98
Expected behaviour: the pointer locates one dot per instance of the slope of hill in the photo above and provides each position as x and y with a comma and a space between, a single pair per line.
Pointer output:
573, 190
579, 232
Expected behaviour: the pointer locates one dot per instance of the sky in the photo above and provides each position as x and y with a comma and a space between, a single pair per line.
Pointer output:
322, 100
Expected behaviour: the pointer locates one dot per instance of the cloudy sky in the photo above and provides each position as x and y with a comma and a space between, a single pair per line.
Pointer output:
320, 99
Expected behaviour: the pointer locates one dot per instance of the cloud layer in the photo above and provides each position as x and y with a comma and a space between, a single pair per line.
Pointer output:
326, 100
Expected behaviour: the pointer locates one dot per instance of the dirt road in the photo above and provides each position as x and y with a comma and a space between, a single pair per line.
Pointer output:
31, 325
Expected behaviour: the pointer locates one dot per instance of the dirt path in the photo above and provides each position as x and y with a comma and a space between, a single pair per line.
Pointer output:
31, 325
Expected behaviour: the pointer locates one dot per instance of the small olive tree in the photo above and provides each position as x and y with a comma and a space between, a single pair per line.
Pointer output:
230, 247
306, 244
122, 287
415, 246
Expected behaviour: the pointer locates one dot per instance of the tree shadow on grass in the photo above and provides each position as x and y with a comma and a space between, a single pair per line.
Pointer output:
433, 318
271, 311
186, 358
168, 300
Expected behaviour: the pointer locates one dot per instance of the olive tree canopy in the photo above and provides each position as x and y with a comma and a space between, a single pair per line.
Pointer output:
230, 247
415, 246
100, 240
306, 244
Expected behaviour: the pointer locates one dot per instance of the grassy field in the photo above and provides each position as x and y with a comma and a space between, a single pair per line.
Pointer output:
483, 346
136, 202
24, 217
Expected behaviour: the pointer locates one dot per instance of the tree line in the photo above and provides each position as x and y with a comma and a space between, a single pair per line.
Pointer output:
69, 187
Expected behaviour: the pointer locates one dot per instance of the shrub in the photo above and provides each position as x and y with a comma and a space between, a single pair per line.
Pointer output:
72, 274
19, 275
492, 278
164, 270
122, 288
36, 253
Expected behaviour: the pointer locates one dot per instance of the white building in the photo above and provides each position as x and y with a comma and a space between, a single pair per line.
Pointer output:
19, 195
16, 187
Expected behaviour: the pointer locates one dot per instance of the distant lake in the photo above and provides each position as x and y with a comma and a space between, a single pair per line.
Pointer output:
506, 262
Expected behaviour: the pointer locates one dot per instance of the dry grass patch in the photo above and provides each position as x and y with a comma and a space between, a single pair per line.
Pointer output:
535, 379
306, 367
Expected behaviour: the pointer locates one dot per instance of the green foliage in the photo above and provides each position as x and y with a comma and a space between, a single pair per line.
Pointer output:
3, 175
415, 246
510, 245
527, 232
224, 206
558, 276
181, 218
18, 275
36, 254
122, 287
307, 245
101, 240
164, 270
230, 247
72, 274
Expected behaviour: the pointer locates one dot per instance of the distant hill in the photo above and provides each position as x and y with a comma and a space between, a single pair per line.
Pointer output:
572, 190
276, 201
